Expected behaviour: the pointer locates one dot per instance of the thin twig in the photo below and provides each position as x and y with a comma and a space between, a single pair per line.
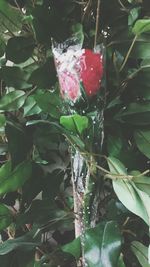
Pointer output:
97, 22
128, 53
86, 10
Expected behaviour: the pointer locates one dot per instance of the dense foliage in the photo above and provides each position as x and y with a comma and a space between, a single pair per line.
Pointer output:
36, 135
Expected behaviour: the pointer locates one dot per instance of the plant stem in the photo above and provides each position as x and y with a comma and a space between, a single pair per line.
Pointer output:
128, 53
97, 23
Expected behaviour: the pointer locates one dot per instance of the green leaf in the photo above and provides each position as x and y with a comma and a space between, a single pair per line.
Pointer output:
141, 50
19, 142
19, 49
133, 15
102, 245
142, 182
42, 211
2, 47
35, 182
135, 113
30, 107
15, 77
9, 17
76, 141
114, 145
48, 23
44, 76
74, 123
12, 101
50, 103
141, 26
5, 217
77, 30
5, 170
2, 122
142, 139
16, 178
73, 248
141, 252
121, 261
132, 198
23, 243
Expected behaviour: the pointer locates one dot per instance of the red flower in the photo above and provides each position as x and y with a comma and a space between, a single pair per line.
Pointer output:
75, 66
91, 71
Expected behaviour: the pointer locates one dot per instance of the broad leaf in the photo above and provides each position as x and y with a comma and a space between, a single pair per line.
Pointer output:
10, 18
133, 199
50, 103
133, 15
12, 101
15, 77
16, 178
5, 217
19, 142
42, 211
121, 262
135, 113
141, 252
2, 122
23, 243
77, 30
102, 245
73, 248
142, 139
44, 76
30, 107
114, 145
142, 182
74, 123
141, 26
19, 49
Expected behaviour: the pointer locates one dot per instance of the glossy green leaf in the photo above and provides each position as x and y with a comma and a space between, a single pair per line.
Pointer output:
102, 245
73, 248
5, 217
141, 26
141, 252
132, 198
142, 139
75, 123
12, 101
19, 49
133, 15
114, 145
16, 178
142, 182
30, 107
9, 18
5, 170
